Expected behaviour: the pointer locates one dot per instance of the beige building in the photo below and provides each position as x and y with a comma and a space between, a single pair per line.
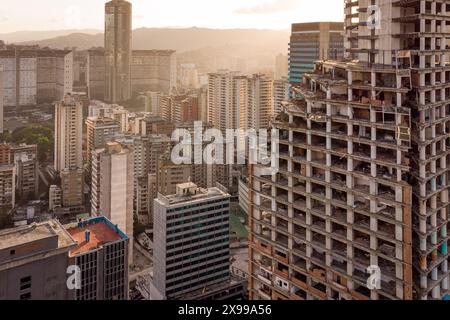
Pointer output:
259, 102
7, 187
25, 158
68, 149
1, 100
114, 193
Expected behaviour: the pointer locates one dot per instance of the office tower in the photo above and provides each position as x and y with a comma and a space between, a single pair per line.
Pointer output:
54, 198
280, 94
34, 260
118, 31
153, 70
310, 42
181, 222
114, 166
259, 102
364, 181
281, 67
95, 74
68, 133
25, 158
1, 100
99, 131
101, 252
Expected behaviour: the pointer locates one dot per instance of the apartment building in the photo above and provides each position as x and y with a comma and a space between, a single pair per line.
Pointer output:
25, 158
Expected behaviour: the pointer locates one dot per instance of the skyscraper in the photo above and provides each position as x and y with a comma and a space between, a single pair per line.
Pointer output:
313, 41
68, 149
118, 32
363, 178
192, 241
112, 194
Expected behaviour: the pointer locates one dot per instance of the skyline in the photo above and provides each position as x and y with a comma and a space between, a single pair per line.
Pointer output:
232, 14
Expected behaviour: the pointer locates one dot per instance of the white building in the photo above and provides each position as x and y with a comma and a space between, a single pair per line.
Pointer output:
113, 188
191, 241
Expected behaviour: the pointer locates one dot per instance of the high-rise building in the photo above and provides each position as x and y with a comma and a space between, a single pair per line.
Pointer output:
280, 94
54, 198
101, 253
191, 241
33, 75
68, 133
118, 32
25, 158
281, 67
227, 100
113, 186
153, 70
259, 102
363, 179
34, 261
95, 74
313, 41
99, 131
68, 149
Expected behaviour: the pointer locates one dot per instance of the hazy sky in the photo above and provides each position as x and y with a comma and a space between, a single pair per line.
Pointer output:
20, 15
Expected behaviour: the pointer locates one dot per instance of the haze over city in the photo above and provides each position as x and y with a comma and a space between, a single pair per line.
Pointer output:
81, 14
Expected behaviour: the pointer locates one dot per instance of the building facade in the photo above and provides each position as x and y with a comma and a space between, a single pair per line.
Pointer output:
196, 220
25, 158
310, 42
118, 32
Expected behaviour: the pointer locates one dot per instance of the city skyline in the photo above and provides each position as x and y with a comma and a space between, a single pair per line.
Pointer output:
232, 14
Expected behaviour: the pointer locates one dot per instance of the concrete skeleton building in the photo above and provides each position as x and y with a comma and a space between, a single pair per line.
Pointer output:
118, 33
363, 177
191, 242
310, 42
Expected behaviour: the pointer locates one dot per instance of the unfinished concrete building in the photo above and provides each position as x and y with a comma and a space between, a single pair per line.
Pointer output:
363, 178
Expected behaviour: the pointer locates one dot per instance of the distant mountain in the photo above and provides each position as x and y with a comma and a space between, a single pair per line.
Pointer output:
164, 38
22, 36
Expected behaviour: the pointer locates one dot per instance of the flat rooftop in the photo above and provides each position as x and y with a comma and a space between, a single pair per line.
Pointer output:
14, 237
200, 195
101, 231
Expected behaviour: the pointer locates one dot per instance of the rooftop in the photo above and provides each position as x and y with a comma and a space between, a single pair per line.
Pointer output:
101, 231
34, 232
189, 192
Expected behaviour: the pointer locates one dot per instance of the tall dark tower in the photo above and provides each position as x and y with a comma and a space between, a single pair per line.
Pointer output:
118, 30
